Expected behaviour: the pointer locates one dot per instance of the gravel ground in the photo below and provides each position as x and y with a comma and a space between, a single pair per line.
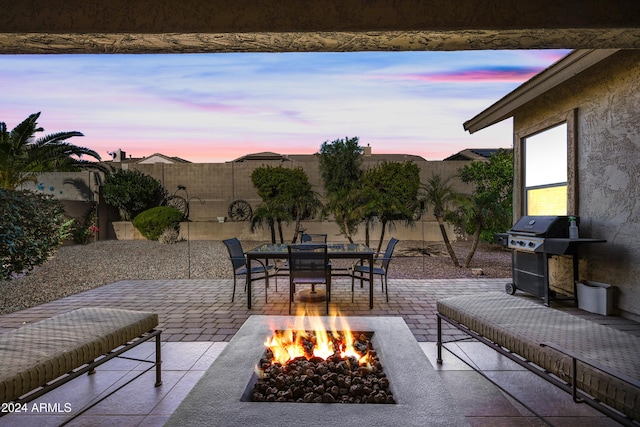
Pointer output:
78, 268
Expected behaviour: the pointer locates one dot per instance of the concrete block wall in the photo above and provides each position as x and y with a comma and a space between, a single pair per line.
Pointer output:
214, 230
219, 184
75, 186
212, 187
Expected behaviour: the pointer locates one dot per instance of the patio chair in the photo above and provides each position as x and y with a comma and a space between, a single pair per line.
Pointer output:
362, 271
313, 238
309, 264
283, 269
239, 263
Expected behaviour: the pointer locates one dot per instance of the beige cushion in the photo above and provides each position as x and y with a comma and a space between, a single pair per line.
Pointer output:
41, 352
521, 325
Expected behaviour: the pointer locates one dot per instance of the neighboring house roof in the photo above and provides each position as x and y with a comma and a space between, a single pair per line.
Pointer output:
161, 158
394, 157
475, 153
267, 155
127, 160
312, 157
559, 72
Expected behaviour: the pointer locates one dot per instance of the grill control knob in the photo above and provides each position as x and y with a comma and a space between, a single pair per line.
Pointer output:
531, 244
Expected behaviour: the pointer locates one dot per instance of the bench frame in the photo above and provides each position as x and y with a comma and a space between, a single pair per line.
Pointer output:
578, 395
90, 368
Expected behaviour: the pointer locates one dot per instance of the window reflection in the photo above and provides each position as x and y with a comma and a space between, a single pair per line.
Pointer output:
545, 172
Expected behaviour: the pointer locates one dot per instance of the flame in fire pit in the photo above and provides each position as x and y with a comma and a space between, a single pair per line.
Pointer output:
308, 362
316, 341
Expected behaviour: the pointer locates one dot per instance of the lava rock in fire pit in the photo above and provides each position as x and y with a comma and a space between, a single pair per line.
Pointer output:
315, 380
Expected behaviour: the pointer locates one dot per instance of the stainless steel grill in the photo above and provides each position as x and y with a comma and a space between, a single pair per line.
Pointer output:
532, 240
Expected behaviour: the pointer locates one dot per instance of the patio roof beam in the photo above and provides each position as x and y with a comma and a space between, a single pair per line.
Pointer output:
153, 26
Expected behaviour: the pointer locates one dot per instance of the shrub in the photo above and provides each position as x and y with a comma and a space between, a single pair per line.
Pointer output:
132, 192
153, 222
30, 230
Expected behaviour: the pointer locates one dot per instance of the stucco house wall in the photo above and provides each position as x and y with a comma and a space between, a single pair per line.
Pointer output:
604, 102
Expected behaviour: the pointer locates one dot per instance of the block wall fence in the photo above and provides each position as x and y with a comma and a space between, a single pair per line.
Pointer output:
212, 187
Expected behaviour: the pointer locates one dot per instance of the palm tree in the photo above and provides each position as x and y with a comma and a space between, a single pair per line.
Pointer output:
304, 204
346, 208
439, 194
264, 217
271, 213
22, 156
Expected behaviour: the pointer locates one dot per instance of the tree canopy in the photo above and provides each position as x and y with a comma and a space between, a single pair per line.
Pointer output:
340, 164
488, 209
286, 195
390, 192
341, 169
132, 192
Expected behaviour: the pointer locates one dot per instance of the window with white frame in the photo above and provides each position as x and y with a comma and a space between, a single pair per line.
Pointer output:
545, 172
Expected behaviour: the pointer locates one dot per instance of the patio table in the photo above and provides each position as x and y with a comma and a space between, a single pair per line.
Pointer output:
354, 251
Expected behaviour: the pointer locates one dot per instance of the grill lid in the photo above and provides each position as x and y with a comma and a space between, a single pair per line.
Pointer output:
542, 226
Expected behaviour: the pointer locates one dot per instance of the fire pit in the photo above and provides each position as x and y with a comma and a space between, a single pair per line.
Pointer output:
223, 395
320, 366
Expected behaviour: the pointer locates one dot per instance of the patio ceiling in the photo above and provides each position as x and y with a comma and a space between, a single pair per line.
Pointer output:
175, 26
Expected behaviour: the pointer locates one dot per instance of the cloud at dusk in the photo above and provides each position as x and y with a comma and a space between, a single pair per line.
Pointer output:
218, 107
496, 74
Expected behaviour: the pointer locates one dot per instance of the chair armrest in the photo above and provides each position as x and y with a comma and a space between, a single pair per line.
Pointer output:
266, 266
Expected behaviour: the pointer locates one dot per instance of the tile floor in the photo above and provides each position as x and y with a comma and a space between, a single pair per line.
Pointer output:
532, 401
139, 403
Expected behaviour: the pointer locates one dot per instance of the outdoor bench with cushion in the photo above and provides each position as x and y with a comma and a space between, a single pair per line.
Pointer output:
44, 355
554, 344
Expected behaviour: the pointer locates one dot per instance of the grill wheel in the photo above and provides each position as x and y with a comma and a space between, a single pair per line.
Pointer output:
510, 288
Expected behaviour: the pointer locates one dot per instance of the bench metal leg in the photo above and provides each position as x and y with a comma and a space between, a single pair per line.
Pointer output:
439, 342
158, 362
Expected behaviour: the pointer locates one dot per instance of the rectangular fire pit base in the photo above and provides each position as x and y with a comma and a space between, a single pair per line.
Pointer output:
422, 399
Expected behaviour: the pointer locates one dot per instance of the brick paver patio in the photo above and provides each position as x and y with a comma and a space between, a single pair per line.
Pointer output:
196, 315
201, 310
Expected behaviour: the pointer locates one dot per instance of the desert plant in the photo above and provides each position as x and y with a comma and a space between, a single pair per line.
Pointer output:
30, 230
169, 236
84, 230
153, 222
132, 192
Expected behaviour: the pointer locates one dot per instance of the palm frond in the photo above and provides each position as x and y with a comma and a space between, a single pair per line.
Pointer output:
22, 156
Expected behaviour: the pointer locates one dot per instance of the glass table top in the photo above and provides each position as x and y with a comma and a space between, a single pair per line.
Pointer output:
332, 248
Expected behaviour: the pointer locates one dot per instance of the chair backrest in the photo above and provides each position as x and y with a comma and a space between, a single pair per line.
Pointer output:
308, 260
389, 252
315, 238
236, 254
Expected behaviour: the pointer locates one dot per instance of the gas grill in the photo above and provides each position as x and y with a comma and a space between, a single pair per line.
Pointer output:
532, 240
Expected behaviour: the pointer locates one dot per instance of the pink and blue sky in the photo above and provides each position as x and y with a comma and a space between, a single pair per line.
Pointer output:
218, 107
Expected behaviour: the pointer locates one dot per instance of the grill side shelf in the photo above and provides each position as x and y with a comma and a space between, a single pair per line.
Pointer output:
564, 246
